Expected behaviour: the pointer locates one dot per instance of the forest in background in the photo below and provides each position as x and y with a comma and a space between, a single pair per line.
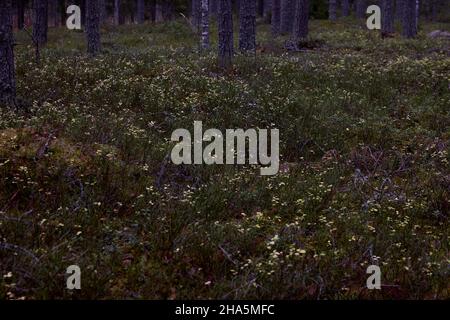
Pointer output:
85, 123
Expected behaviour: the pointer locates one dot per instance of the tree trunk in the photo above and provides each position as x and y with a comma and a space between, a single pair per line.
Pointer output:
205, 25
361, 7
417, 14
276, 17
387, 17
267, 10
40, 21
301, 28
93, 26
62, 11
345, 8
7, 73
399, 9
409, 19
20, 14
225, 24
213, 7
332, 9
260, 8
247, 26
196, 14
287, 16
140, 14
103, 11
117, 12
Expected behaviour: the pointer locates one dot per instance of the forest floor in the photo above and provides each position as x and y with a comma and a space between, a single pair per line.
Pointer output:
364, 149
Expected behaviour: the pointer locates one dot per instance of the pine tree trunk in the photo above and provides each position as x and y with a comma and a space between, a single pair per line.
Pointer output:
7, 73
345, 8
332, 9
40, 21
117, 12
287, 16
196, 14
62, 11
247, 26
409, 19
225, 24
399, 9
205, 25
276, 17
267, 10
387, 17
93, 26
20, 14
140, 14
103, 11
301, 28
417, 14
260, 7
361, 7
213, 7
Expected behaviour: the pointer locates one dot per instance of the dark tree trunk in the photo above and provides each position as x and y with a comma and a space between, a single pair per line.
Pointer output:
53, 12
276, 17
117, 12
20, 14
301, 28
7, 73
409, 19
93, 26
213, 7
62, 11
247, 26
387, 17
361, 7
260, 8
140, 11
103, 11
345, 7
332, 10
399, 9
287, 16
225, 24
167, 10
267, 10
40, 21
204, 9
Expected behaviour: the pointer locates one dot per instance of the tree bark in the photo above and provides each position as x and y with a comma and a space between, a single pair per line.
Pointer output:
93, 26
276, 17
409, 19
399, 9
225, 24
205, 25
345, 4
387, 17
118, 12
40, 21
20, 14
213, 7
287, 16
267, 10
140, 14
332, 10
247, 26
301, 28
7, 72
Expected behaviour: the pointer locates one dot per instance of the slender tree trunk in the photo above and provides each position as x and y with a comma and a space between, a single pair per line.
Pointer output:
387, 17
7, 72
205, 25
247, 26
399, 9
62, 11
225, 24
361, 7
345, 4
409, 19
301, 28
103, 11
417, 14
332, 10
93, 26
40, 21
20, 14
267, 10
287, 16
196, 14
260, 8
140, 14
213, 7
276, 17
117, 12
